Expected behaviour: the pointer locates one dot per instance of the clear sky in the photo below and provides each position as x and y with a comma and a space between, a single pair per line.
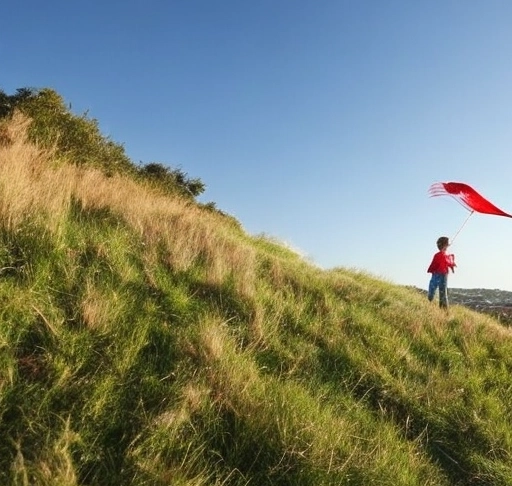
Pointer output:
321, 123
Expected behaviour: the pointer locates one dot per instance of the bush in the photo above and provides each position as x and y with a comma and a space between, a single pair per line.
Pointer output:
172, 180
78, 138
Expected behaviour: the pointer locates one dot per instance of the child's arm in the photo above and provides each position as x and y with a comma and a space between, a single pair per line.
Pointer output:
451, 262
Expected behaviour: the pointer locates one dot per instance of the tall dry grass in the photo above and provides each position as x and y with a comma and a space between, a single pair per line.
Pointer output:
33, 183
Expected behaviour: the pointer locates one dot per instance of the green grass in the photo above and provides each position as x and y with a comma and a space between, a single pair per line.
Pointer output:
144, 341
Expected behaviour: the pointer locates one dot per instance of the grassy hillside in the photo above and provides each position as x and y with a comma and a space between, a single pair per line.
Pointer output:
147, 341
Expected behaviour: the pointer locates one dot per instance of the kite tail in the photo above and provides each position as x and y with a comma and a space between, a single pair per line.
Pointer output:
460, 229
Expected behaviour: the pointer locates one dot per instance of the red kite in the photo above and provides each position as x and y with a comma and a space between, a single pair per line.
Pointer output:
466, 196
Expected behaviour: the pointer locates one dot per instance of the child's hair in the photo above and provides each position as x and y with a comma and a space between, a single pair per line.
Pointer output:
442, 242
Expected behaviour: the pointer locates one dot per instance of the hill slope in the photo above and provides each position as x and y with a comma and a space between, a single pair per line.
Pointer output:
147, 341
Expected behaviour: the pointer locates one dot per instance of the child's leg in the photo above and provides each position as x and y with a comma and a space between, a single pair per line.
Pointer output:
432, 286
443, 291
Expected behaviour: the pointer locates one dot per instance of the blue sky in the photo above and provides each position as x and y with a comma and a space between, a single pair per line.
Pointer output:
321, 123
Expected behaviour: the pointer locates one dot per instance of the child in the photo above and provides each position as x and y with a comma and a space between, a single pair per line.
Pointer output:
441, 264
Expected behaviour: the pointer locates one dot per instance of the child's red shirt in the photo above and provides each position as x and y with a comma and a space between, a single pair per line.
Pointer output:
441, 263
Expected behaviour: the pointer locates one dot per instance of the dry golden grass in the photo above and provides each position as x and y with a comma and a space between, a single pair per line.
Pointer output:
26, 186
98, 310
31, 183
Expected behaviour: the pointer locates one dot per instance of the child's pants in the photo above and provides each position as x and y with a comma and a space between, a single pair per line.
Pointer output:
439, 280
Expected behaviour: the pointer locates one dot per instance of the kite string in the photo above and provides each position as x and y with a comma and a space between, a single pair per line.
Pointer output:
463, 224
